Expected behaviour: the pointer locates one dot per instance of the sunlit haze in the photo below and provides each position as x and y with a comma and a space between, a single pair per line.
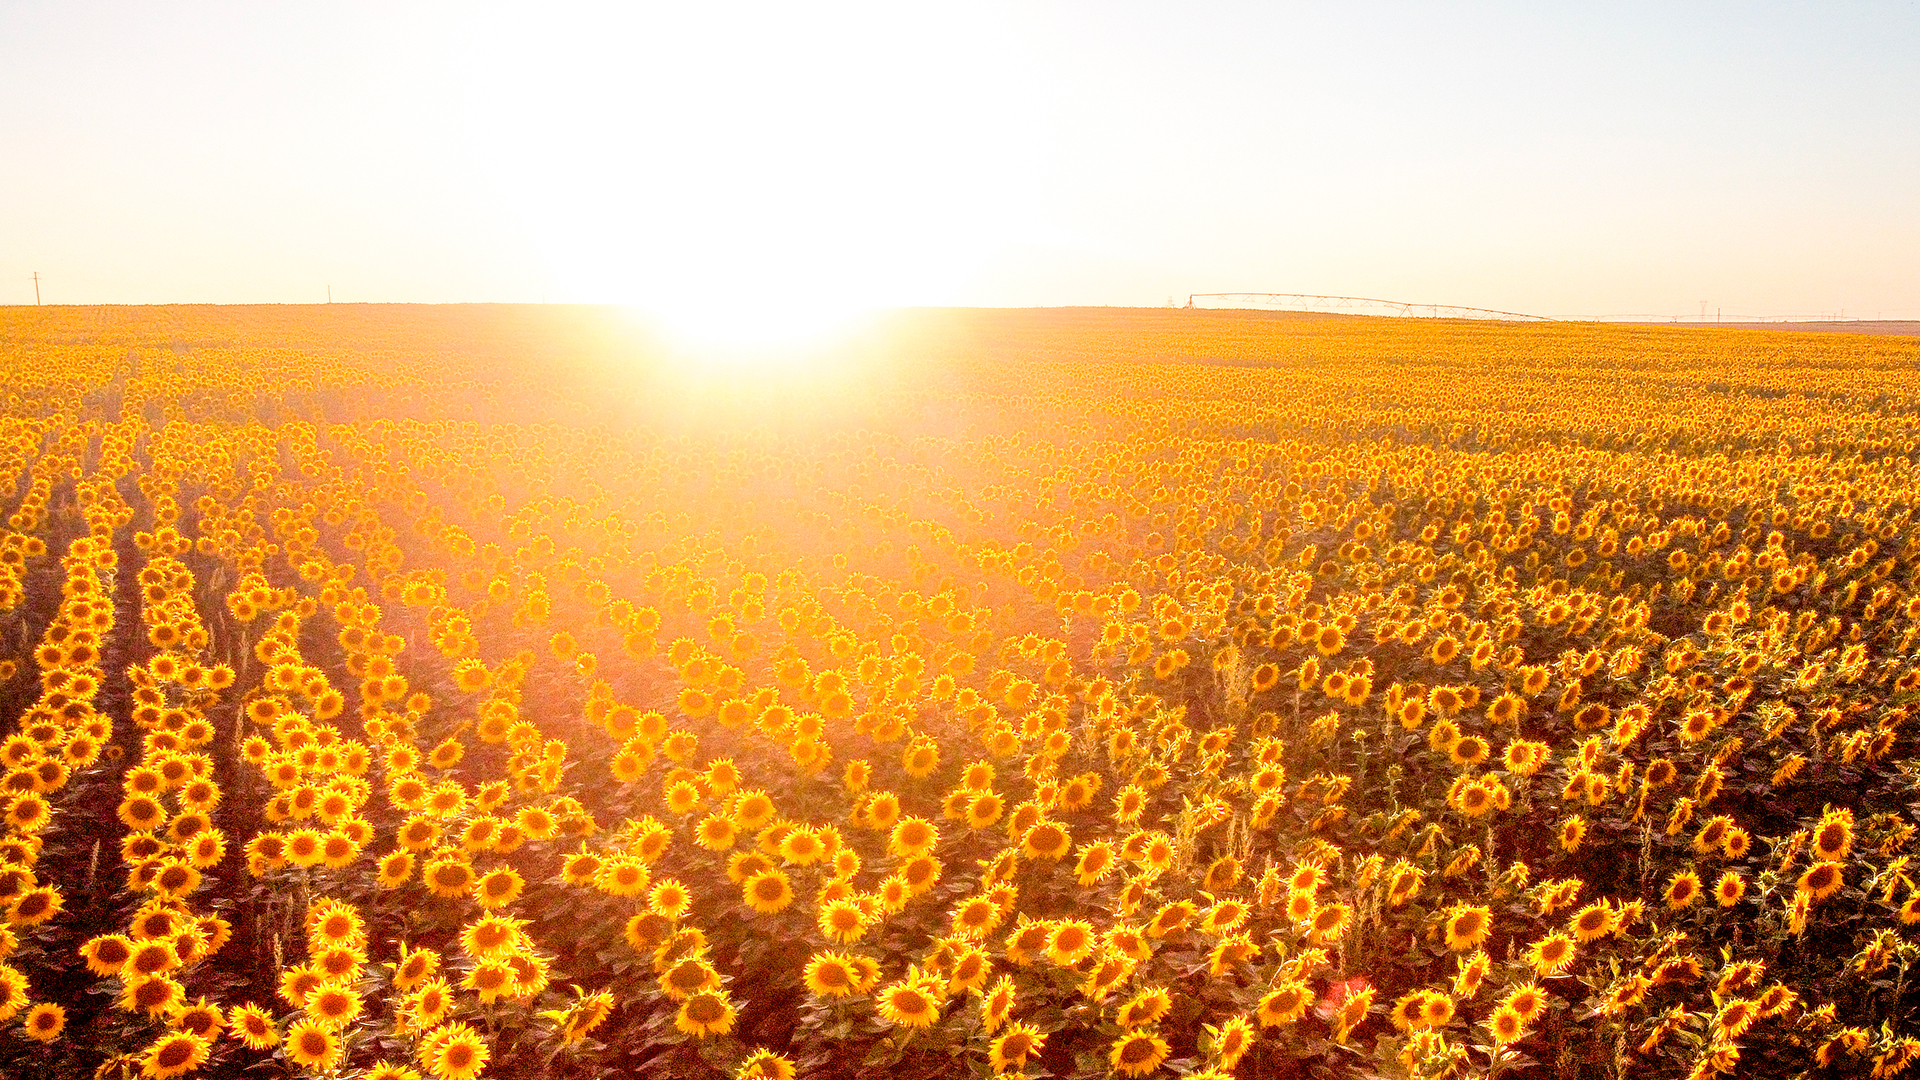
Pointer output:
747, 174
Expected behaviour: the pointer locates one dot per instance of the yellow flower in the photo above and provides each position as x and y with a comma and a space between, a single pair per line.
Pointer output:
1552, 954
842, 921
715, 833
253, 1026
1137, 1053
909, 1003
912, 836
498, 888
154, 995
313, 1045
1683, 889
669, 898
1529, 1001
1070, 942
395, 869
832, 975
45, 1022
984, 809
1572, 832
454, 1052
334, 1006
173, 1054
765, 1065
687, 977
107, 954
449, 876
705, 1013
1231, 1041
1821, 880
1011, 1048
1506, 1025
1594, 921
768, 891
1467, 926
1284, 1004
1146, 1007
1730, 888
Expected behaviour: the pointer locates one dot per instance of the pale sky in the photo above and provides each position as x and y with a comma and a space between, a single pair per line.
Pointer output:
810, 159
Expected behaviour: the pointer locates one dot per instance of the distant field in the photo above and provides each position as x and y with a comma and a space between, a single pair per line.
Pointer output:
397, 691
1822, 326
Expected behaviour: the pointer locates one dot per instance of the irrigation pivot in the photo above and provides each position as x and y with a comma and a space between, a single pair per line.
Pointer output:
1358, 305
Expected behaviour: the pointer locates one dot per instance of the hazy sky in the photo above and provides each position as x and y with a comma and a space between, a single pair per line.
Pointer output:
1564, 159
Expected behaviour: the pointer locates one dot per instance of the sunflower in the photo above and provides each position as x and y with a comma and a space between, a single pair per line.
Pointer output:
449, 876
35, 906
1145, 1008
395, 869
314, 1045
1528, 1001
1821, 880
970, 970
1046, 840
1572, 832
1137, 1053
107, 954
752, 809
428, 1004
842, 921
976, 916
490, 980
1284, 1004
1552, 954
455, 1052
1403, 883
483, 939
1507, 1025
764, 1065
45, 1022
623, 875
715, 833
498, 888
173, 1054
1171, 919
1010, 1050
705, 1013
831, 975
334, 1006
687, 977
1070, 942
912, 836
919, 874
768, 891
1410, 1012
1833, 836
1594, 921
1736, 843
154, 995
253, 1025
669, 898
909, 1003
801, 846
1467, 926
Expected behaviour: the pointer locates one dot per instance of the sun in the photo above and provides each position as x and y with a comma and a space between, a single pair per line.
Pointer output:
753, 332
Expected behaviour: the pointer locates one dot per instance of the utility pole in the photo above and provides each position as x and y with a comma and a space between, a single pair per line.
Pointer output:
36, 288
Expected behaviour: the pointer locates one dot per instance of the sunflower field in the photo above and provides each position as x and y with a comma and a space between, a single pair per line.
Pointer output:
479, 692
